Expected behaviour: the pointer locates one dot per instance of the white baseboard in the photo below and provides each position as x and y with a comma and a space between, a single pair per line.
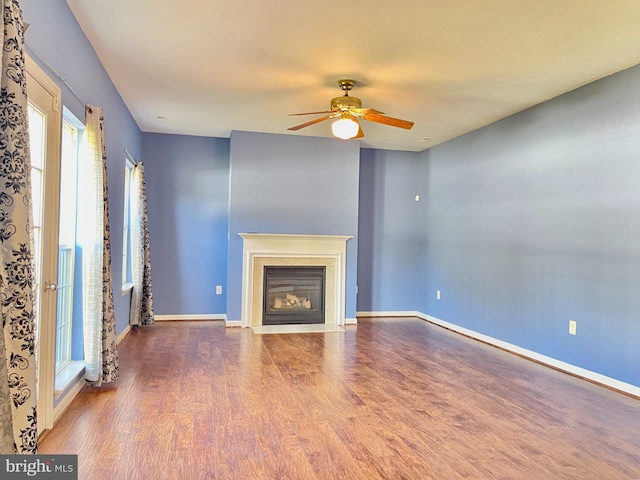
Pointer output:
402, 313
350, 321
123, 334
71, 393
523, 352
543, 359
178, 317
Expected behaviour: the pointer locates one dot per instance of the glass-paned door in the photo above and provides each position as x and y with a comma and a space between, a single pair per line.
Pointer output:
44, 140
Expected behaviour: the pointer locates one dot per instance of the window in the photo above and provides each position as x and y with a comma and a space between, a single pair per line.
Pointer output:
66, 241
37, 135
127, 282
69, 358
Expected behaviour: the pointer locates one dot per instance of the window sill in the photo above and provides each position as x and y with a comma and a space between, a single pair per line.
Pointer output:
126, 288
67, 376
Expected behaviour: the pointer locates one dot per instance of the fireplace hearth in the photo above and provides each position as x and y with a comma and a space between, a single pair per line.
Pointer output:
293, 295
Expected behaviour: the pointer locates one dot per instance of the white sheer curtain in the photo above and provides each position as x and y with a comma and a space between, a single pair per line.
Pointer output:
18, 429
100, 351
141, 312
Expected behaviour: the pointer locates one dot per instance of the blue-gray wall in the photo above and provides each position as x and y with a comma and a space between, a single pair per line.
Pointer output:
291, 184
55, 35
388, 231
188, 201
535, 220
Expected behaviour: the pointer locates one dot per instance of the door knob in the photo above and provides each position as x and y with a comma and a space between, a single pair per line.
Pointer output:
50, 286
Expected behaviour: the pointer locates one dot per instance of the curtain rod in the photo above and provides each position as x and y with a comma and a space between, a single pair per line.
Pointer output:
131, 157
33, 52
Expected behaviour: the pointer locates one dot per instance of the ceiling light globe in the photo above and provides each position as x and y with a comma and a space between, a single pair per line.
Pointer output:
345, 128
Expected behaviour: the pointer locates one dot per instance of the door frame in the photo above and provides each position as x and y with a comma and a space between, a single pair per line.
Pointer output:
47, 299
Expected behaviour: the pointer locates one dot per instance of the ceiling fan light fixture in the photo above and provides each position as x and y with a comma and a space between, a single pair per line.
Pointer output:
345, 128
349, 109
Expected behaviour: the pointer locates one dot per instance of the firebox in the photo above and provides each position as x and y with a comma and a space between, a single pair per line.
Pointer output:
293, 295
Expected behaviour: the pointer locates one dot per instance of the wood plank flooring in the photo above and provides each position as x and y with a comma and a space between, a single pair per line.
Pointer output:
390, 398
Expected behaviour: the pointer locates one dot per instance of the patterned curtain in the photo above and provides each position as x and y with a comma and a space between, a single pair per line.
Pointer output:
100, 350
18, 429
141, 312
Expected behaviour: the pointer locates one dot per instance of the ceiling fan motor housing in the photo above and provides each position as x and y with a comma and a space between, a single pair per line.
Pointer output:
345, 103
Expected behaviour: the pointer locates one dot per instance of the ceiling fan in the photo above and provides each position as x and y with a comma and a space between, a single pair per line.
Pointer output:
349, 110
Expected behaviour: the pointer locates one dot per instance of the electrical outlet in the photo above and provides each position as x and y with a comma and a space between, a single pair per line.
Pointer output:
572, 327
437, 294
218, 289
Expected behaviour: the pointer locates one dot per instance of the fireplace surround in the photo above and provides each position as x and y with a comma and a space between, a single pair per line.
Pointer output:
262, 250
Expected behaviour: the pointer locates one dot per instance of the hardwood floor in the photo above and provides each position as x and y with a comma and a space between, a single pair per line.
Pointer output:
390, 398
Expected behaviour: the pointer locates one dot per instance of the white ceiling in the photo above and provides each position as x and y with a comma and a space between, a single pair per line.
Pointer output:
207, 67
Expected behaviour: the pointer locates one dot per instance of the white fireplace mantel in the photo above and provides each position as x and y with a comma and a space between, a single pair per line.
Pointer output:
262, 249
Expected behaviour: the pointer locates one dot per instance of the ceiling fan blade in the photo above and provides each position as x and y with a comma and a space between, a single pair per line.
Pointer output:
360, 132
364, 111
312, 122
394, 122
308, 113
